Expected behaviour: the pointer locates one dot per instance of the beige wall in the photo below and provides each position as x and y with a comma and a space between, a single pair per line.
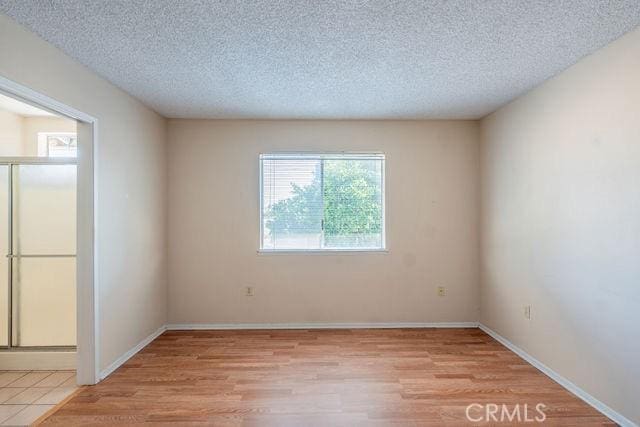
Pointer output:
19, 134
432, 235
11, 133
561, 223
33, 125
132, 180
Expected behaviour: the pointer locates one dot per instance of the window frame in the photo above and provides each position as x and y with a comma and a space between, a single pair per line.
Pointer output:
43, 143
323, 155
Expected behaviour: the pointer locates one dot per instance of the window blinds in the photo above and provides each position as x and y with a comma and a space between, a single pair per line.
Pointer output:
312, 202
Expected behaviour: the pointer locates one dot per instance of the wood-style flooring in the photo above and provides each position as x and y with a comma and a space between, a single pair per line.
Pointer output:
351, 377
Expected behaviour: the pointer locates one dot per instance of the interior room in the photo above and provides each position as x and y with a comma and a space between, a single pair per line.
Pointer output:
334, 213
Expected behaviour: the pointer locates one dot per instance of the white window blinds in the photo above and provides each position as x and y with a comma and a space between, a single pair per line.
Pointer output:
322, 202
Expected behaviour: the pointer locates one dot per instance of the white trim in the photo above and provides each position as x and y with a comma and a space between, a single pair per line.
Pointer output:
88, 354
132, 351
39, 100
323, 155
571, 387
43, 142
392, 325
261, 202
321, 251
30, 160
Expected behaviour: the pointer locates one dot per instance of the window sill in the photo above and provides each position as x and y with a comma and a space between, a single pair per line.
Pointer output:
321, 251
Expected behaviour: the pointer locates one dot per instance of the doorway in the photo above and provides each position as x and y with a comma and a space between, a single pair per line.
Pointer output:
86, 275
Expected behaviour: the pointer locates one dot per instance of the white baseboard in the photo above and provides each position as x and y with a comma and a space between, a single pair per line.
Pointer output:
219, 326
607, 411
129, 354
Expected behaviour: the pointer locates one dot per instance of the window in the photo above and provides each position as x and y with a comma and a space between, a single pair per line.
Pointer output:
57, 144
318, 202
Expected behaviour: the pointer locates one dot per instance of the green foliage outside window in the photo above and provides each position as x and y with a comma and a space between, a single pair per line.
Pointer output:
352, 202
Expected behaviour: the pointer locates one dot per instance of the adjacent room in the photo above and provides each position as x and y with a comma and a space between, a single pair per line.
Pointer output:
340, 213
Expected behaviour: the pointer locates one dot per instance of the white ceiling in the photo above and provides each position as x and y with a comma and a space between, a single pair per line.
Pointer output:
326, 59
22, 109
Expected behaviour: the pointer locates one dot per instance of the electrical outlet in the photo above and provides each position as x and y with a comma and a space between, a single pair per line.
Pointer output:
249, 291
527, 312
441, 291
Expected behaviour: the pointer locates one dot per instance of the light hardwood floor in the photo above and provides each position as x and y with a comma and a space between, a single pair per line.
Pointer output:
321, 378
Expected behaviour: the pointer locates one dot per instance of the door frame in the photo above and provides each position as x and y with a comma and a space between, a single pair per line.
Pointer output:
87, 316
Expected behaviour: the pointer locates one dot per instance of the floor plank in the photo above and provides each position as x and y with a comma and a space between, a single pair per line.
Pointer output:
322, 377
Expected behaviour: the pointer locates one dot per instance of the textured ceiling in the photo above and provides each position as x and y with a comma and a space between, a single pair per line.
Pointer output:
326, 59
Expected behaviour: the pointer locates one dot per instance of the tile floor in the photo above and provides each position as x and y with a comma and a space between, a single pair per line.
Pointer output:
26, 395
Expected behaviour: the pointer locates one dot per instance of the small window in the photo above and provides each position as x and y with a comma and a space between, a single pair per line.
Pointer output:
322, 202
57, 144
